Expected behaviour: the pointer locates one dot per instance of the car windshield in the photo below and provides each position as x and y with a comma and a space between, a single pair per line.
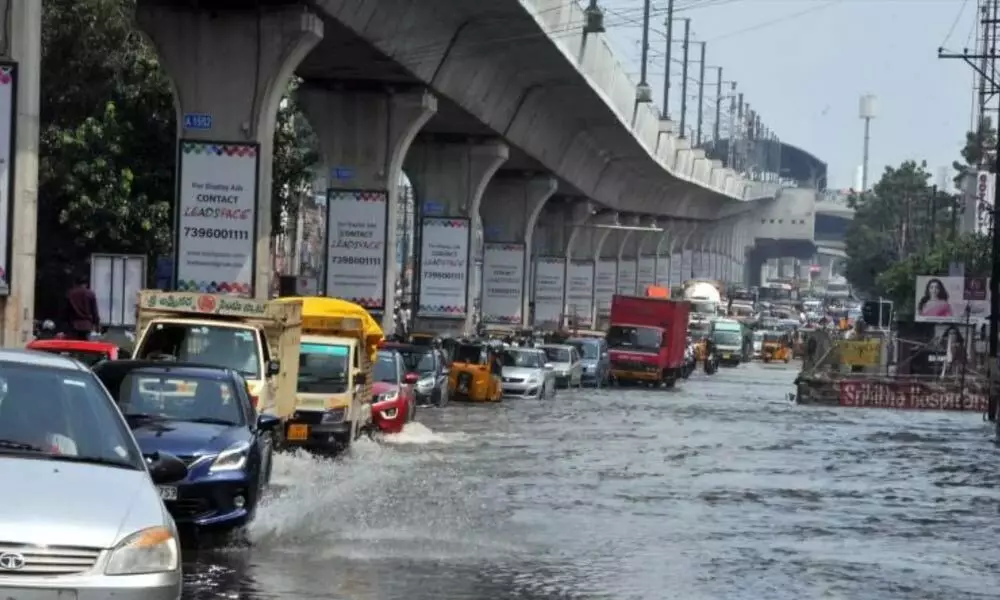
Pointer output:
323, 368
634, 338
385, 368
418, 361
523, 359
178, 397
61, 414
227, 347
586, 349
727, 338
557, 355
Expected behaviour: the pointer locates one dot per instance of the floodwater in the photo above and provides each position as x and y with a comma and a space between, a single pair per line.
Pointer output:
719, 489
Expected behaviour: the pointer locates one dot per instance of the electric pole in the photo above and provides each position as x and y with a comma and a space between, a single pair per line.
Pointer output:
987, 58
718, 108
684, 78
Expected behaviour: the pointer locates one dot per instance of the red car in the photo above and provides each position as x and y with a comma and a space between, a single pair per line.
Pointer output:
89, 353
393, 403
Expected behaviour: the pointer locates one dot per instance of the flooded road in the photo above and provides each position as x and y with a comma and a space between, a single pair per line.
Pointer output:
719, 489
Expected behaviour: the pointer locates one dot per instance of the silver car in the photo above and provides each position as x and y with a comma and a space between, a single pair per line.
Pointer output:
82, 517
566, 363
525, 375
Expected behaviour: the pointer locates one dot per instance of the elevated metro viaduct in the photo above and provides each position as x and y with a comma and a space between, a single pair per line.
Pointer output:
531, 148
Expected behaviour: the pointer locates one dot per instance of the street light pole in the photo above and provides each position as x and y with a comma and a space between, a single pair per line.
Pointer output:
669, 57
718, 108
701, 94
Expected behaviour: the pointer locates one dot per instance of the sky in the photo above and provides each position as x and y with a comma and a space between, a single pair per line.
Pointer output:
804, 64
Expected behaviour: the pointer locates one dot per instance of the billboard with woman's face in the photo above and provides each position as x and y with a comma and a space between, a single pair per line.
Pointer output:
943, 299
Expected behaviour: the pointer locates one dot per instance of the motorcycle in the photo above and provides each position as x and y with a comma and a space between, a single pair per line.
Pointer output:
711, 361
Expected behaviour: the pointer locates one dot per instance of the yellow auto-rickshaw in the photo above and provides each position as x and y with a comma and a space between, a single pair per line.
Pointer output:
476, 373
776, 346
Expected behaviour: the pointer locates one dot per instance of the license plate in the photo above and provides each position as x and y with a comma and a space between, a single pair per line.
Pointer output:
298, 433
727, 356
167, 492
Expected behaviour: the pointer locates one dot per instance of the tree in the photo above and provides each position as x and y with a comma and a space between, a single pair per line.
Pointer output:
885, 224
976, 152
108, 144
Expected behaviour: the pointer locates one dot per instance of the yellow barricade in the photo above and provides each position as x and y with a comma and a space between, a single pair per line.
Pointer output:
860, 353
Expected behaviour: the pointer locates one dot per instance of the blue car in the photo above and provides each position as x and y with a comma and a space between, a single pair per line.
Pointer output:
204, 416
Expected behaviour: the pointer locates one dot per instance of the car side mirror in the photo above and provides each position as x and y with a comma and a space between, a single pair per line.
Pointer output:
411, 378
273, 367
549, 366
165, 467
267, 422
360, 379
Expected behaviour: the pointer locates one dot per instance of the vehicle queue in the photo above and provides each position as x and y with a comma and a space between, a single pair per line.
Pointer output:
176, 427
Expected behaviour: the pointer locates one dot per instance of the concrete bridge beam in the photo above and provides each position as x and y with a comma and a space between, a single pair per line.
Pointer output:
364, 137
510, 211
229, 74
454, 177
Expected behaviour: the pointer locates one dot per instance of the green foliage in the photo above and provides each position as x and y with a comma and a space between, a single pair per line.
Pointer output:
904, 228
108, 144
295, 155
974, 152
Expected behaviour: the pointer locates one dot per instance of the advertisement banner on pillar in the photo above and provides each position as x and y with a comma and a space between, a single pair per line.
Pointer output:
605, 284
646, 274
444, 268
549, 290
580, 292
626, 277
356, 224
8, 144
503, 283
663, 270
216, 237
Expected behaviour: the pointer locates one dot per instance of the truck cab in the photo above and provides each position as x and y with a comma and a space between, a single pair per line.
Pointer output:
728, 336
647, 340
333, 394
256, 339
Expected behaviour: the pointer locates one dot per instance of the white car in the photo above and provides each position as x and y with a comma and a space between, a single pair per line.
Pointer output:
566, 364
525, 374
82, 517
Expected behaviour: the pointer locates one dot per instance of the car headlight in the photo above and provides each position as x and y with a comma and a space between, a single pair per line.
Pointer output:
534, 380
335, 415
425, 385
231, 459
387, 397
153, 550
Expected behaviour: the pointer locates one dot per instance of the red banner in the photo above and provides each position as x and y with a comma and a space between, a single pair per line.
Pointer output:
911, 396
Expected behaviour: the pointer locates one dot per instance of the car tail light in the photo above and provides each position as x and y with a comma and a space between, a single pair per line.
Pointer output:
254, 400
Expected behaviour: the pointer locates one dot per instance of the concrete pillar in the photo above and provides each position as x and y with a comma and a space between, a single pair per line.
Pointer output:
510, 210
364, 137
233, 68
454, 177
22, 34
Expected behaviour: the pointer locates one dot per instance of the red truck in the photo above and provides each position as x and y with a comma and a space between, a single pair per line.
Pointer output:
647, 339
